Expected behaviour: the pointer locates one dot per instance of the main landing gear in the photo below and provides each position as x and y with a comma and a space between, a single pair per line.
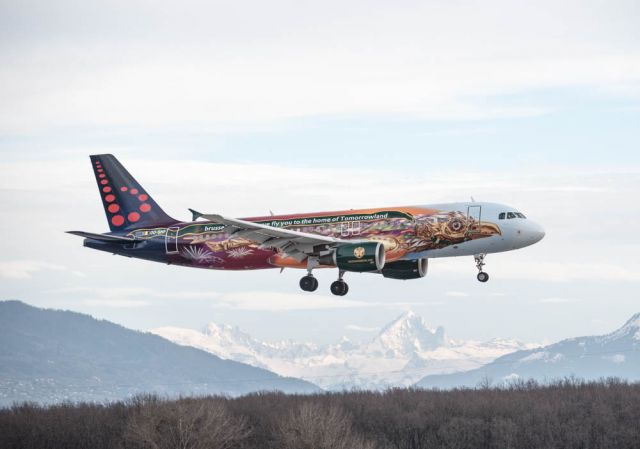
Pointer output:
482, 276
340, 287
310, 284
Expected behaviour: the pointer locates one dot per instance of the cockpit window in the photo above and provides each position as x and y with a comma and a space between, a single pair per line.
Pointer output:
510, 215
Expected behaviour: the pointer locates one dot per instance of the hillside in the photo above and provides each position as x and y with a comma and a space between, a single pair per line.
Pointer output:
612, 355
51, 355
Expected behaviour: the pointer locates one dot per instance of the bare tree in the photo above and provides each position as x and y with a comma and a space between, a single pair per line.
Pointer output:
184, 424
317, 426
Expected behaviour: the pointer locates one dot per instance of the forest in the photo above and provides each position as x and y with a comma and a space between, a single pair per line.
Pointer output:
524, 414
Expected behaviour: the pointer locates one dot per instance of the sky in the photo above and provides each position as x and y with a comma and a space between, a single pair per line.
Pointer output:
243, 107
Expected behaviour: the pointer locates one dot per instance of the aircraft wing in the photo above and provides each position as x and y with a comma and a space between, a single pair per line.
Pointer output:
102, 237
295, 244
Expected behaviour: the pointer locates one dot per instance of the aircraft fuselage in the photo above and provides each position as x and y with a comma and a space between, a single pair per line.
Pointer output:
407, 233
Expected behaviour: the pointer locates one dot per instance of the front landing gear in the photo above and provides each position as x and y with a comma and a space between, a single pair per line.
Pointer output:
340, 287
482, 276
309, 283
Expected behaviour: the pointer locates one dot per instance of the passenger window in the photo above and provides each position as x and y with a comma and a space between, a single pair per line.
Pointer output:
511, 215
501, 216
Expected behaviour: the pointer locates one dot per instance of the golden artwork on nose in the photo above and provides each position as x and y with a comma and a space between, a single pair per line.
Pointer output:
358, 252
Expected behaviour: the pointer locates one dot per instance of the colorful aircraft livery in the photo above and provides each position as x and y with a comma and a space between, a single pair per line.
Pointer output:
396, 242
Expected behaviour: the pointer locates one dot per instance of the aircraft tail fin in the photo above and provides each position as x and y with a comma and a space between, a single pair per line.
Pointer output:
126, 203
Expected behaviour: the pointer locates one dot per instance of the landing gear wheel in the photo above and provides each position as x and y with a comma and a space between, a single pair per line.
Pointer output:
483, 277
308, 283
339, 288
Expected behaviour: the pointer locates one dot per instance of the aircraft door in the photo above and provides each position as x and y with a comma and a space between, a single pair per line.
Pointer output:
171, 240
474, 216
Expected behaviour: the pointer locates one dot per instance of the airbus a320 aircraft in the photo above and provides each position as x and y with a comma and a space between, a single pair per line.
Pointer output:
396, 242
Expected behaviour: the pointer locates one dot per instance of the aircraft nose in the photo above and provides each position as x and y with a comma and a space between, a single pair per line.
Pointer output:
534, 233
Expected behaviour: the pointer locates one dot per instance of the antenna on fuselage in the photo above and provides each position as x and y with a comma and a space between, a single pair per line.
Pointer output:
472, 199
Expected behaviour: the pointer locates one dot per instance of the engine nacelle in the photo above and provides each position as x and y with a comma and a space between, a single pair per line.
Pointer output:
406, 269
359, 257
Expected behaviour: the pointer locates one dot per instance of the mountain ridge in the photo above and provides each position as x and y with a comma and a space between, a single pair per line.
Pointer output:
400, 353
50, 355
615, 354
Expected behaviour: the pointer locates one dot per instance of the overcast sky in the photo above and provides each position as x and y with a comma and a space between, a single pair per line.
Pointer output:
241, 107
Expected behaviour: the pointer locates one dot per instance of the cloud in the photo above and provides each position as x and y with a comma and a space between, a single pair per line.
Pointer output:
119, 293
557, 300
117, 303
355, 327
24, 269
241, 300
276, 301
106, 66
455, 294
545, 271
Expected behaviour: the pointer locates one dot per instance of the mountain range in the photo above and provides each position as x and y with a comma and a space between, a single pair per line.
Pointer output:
52, 355
402, 352
612, 355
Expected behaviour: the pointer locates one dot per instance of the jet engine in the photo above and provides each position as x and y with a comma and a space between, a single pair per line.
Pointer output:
406, 269
358, 257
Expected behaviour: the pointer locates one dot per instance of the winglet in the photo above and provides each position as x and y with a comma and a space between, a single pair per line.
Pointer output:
195, 214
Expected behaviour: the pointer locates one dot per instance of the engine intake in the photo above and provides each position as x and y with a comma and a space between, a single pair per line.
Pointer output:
406, 269
359, 257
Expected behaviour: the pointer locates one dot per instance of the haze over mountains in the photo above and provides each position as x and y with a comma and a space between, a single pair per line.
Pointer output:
402, 353
52, 355
612, 355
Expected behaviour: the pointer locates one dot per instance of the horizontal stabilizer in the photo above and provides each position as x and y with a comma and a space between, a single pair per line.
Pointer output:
102, 237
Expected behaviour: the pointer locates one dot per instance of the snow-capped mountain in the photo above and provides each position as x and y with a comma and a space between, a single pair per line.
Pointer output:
612, 355
402, 352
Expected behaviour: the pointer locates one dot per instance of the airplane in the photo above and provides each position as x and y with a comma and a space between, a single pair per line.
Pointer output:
395, 242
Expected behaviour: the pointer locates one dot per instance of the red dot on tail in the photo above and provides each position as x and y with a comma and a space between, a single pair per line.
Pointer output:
104, 182
102, 175
113, 208
143, 197
117, 220
124, 189
106, 189
145, 207
97, 162
110, 198
100, 170
133, 217
134, 191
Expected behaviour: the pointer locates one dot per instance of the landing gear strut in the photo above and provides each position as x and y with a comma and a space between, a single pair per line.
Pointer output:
340, 287
482, 276
308, 283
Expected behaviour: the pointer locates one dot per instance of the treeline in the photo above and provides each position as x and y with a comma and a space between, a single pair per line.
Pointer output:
566, 414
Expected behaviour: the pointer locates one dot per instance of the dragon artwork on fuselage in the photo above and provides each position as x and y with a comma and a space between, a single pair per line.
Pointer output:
402, 231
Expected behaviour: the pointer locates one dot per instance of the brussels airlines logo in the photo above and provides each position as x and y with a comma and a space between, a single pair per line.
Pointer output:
359, 252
